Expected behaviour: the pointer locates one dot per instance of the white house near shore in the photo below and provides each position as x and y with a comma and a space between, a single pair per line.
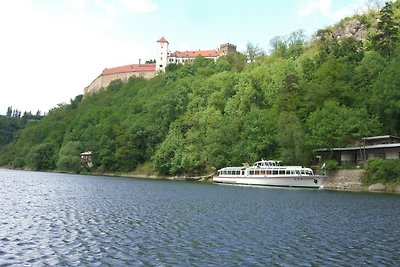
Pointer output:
383, 147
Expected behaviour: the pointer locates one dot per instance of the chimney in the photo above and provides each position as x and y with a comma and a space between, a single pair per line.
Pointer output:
139, 61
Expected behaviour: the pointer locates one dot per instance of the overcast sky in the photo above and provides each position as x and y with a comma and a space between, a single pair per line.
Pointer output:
51, 49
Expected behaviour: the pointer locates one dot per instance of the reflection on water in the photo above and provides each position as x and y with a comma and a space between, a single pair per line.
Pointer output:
62, 219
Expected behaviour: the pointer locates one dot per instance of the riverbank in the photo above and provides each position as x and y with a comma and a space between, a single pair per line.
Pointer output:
338, 180
350, 180
204, 178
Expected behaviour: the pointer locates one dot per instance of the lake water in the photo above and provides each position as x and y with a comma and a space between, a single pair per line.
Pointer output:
74, 220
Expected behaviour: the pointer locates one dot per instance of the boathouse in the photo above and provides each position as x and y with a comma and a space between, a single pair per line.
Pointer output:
383, 147
86, 159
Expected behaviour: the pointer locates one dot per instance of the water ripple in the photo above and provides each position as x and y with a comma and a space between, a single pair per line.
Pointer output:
72, 220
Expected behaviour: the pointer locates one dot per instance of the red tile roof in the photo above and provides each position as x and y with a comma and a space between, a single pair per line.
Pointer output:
162, 40
191, 54
130, 68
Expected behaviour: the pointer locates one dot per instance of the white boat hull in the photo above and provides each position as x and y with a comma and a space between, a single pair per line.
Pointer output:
314, 181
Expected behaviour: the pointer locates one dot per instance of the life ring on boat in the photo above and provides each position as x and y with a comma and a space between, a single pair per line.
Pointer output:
315, 181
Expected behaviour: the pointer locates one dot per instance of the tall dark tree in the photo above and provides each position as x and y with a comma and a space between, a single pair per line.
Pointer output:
387, 33
385, 97
9, 112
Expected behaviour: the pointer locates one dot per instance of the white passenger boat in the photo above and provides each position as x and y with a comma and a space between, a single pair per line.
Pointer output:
270, 173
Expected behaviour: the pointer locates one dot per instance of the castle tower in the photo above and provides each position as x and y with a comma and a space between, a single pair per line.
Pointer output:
162, 55
224, 49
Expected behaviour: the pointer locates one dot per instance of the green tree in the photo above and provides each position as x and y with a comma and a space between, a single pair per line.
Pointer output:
278, 46
237, 60
332, 81
253, 52
368, 71
167, 157
385, 96
349, 50
41, 157
384, 41
256, 136
290, 95
69, 157
290, 138
335, 125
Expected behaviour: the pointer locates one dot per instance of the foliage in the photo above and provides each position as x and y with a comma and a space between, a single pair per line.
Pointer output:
291, 139
335, 125
386, 37
385, 95
291, 46
198, 117
42, 157
9, 126
253, 52
331, 164
69, 157
382, 171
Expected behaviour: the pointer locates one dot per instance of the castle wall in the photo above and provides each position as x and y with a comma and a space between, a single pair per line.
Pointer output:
104, 80
95, 86
150, 70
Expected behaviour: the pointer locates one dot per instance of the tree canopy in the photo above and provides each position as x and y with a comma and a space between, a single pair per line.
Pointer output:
196, 118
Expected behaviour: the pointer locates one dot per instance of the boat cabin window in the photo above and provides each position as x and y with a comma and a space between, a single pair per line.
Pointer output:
232, 172
281, 171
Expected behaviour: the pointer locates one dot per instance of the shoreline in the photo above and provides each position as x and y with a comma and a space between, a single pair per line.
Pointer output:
349, 180
339, 180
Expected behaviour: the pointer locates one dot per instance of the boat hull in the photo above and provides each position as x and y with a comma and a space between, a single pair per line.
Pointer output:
314, 181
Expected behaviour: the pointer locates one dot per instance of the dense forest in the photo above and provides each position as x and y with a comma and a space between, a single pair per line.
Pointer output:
325, 91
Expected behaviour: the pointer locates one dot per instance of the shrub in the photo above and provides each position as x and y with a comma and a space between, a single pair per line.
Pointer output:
382, 171
41, 157
331, 164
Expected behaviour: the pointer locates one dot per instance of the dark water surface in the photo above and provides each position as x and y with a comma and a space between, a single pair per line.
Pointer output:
73, 220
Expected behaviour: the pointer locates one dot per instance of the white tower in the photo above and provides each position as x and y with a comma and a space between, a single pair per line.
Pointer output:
162, 55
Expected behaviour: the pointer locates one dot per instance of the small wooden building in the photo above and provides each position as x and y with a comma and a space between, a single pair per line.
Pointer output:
86, 159
384, 147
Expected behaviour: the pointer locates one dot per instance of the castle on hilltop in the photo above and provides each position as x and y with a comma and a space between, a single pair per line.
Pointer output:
150, 70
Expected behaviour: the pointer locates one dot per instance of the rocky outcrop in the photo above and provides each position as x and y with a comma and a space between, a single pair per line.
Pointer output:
377, 188
344, 180
353, 28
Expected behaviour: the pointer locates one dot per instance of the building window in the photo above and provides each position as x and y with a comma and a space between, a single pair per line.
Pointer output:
160, 66
380, 155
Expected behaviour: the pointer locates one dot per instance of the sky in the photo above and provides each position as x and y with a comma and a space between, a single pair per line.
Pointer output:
50, 50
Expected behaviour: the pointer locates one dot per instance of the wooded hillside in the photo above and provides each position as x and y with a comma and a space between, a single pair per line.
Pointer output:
306, 94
